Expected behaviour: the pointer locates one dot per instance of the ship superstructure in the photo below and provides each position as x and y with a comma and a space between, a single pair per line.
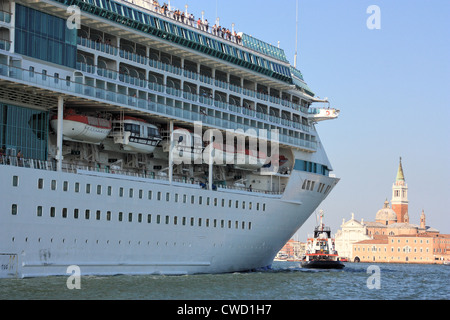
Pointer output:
135, 139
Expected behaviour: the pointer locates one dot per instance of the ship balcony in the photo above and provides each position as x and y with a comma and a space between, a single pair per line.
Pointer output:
5, 17
5, 44
231, 118
97, 45
189, 71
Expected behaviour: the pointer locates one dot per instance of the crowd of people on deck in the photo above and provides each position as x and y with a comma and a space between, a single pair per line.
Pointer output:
201, 24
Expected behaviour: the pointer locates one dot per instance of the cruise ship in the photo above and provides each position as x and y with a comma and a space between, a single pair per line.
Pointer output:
136, 138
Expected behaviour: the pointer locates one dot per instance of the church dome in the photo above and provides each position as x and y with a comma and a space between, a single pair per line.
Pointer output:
386, 214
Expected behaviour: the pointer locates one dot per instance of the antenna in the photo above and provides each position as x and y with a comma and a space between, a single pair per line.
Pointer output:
296, 37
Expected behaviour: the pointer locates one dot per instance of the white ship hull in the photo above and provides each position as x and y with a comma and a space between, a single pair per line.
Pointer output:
228, 239
157, 215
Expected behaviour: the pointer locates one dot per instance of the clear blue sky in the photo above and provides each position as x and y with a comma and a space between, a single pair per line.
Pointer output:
392, 86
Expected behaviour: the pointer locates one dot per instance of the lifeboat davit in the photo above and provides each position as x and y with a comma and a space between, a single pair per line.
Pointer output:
221, 154
82, 128
187, 146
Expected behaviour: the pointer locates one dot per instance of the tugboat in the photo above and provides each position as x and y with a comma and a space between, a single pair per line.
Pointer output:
320, 250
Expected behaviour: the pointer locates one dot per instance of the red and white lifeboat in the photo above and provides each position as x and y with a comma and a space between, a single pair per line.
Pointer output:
221, 154
82, 128
250, 159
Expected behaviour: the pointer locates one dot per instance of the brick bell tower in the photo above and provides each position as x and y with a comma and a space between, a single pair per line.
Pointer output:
400, 196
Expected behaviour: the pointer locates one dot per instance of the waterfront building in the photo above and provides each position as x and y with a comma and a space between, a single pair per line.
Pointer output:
351, 231
419, 248
391, 237
292, 250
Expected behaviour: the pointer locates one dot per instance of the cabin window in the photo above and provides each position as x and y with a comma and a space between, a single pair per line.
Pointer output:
99, 189
65, 185
15, 181
40, 183
133, 128
14, 209
98, 213
87, 214
64, 213
39, 211
52, 212
152, 132
108, 215
53, 184
75, 213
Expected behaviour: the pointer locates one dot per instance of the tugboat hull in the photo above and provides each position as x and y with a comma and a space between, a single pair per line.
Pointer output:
322, 265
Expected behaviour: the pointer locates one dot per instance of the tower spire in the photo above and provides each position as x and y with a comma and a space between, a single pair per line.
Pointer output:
400, 196
400, 175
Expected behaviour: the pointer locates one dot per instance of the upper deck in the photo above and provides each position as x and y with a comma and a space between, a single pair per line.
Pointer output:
136, 59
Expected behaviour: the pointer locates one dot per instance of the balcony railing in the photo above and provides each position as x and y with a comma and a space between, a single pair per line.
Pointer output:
5, 44
70, 87
109, 49
80, 169
96, 45
5, 16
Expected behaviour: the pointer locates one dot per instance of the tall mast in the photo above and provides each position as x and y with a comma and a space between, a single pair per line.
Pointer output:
296, 37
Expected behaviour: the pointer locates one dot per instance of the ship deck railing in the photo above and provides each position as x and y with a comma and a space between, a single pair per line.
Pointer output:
5, 16
108, 170
203, 26
74, 88
109, 49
